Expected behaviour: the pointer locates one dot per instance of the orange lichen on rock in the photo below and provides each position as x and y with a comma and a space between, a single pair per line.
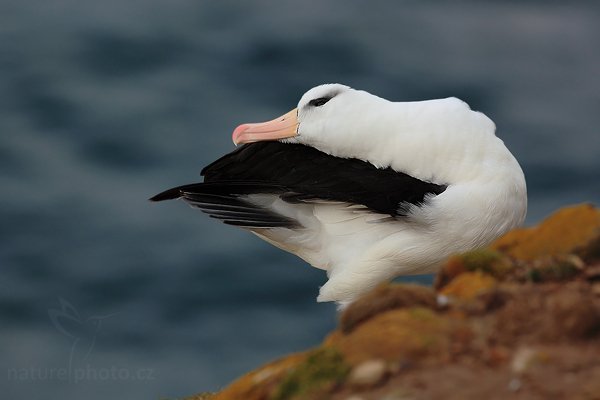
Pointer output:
469, 285
401, 334
202, 396
490, 262
569, 230
258, 384
384, 298
299, 376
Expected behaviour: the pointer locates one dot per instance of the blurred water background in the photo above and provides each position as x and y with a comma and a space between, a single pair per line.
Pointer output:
105, 103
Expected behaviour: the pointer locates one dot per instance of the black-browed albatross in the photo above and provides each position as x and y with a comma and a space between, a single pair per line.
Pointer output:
365, 188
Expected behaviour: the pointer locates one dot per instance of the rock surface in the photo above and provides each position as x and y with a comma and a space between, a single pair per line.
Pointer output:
519, 320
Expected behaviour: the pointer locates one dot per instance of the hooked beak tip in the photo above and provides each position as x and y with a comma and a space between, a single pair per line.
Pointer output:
235, 137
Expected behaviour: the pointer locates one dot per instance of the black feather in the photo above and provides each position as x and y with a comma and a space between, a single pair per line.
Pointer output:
297, 173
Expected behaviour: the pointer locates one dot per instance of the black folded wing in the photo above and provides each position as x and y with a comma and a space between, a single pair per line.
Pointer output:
296, 173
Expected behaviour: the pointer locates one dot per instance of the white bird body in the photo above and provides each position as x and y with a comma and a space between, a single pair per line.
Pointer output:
477, 191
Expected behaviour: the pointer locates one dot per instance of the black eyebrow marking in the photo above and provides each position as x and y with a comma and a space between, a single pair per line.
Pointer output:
320, 101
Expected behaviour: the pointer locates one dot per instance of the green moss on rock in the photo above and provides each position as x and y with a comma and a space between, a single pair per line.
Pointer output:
488, 261
555, 269
323, 368
201, 396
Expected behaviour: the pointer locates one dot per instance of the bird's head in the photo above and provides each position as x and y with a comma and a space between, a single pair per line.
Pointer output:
329, 117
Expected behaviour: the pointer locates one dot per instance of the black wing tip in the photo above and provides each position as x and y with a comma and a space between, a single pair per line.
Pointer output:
170, 194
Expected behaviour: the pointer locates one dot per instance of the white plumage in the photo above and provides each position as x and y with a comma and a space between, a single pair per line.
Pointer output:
442, 143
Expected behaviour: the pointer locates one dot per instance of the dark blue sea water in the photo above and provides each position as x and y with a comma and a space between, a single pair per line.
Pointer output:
105, 103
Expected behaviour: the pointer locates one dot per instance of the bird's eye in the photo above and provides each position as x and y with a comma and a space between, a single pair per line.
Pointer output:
319, 102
